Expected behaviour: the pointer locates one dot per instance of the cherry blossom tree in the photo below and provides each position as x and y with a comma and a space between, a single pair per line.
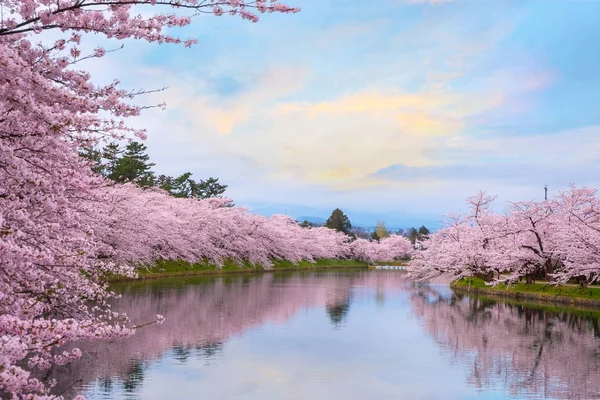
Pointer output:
391, 248
557, 240
147, 225
533, 240
468, 245
577, 231
51, 261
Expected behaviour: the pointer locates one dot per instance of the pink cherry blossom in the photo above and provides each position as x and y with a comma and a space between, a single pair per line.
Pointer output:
557, 240
57, 219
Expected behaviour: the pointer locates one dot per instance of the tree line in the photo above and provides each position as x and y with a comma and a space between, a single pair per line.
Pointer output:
555, 240
132, 164
58, 219
341, 223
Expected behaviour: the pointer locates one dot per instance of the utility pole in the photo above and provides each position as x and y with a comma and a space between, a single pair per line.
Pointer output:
546, 192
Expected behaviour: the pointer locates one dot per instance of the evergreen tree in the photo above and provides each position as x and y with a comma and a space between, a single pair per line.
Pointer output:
339, 221
306, 224
95, 157
134, 166
111, 153
413, 235
164, 182
208, 188
375, 236
182, 186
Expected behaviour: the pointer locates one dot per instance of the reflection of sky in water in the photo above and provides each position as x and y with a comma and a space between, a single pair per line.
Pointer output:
377, 349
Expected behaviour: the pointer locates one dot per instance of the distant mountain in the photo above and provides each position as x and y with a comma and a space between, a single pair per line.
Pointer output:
394, 220
312, 220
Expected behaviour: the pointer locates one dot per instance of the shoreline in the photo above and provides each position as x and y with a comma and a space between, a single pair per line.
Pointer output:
561, 295
184, 269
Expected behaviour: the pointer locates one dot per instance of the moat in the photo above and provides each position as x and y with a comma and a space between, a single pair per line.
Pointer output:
342, 334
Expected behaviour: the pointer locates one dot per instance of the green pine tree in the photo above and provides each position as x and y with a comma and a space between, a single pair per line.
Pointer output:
339, 221
208, 188
95, 157
423, 232
134, 166
111, 153
413, 235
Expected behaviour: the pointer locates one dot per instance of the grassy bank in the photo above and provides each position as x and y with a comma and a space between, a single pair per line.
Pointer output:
395, 263
573, 295
168, 268
580, 310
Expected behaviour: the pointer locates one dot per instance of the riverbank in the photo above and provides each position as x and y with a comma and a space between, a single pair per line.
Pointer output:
173, 268
401, 263
569, 295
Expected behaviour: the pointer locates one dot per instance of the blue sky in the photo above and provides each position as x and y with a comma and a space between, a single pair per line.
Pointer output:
392, 110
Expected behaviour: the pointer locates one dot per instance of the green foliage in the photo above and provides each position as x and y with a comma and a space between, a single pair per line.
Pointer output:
95, 156
397, 263
541, 290
132, 164
418, 235
165, 182
306, 224
184, 186
111, 153
209, 188
339, 221
413, 235
180, 267
381, 230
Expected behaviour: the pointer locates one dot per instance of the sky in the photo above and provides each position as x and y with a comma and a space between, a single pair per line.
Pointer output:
393, 110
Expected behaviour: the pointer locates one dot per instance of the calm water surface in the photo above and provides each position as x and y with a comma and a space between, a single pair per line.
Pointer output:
336, 335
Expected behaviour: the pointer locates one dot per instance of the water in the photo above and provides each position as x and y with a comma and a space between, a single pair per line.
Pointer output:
336, 335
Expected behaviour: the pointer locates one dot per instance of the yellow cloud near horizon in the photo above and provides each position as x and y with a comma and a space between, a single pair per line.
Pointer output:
343, 141
377, 102
436, 113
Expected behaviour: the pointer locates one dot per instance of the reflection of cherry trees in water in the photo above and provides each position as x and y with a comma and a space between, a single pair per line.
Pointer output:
203, 312
529, 351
